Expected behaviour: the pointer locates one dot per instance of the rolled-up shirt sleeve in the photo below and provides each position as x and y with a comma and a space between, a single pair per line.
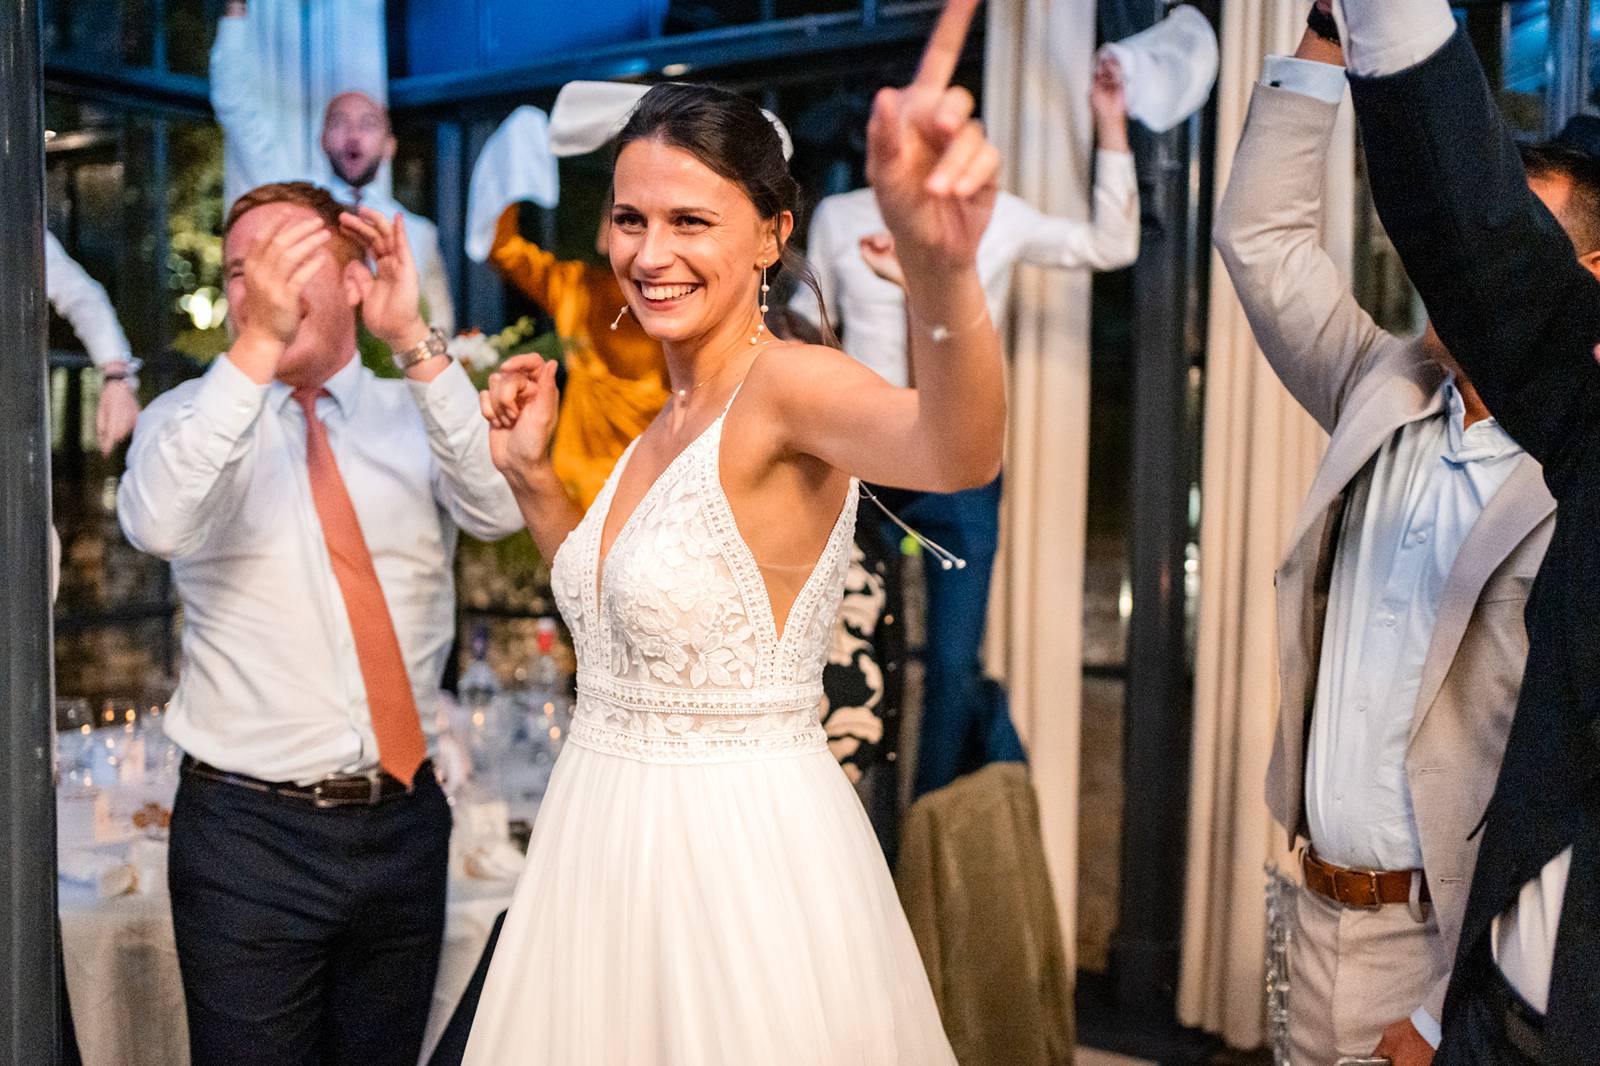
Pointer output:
465, 481
188, 462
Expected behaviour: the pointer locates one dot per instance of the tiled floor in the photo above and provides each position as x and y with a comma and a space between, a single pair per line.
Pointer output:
1091, 1057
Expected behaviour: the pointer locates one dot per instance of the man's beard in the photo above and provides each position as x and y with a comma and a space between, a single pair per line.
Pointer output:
360, 180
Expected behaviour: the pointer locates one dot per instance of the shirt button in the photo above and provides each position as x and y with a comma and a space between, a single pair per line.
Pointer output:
1361, 708
1422, 538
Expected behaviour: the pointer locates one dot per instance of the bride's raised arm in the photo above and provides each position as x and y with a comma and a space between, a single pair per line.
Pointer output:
936, 177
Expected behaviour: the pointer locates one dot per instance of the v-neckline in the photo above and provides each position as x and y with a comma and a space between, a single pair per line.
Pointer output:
604, 551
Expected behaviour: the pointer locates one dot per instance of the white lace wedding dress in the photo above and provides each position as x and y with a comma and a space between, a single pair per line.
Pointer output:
703, 887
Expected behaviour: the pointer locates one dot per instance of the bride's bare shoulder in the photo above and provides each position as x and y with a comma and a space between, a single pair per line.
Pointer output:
792, 369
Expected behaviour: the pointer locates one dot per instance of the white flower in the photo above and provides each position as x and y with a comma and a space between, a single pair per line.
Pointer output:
474, 351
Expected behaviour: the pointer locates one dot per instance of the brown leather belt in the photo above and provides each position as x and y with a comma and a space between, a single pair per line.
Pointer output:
343, 790
1366, 889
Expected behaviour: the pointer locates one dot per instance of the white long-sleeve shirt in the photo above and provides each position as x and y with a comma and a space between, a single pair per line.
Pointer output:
254, 155
217, 483
82, 301
872, 311
1385, 37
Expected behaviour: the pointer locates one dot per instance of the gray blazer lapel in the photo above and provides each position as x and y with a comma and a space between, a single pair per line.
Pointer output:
1514, 512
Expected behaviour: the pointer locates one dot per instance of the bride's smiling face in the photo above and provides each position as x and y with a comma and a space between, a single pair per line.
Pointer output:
687, 244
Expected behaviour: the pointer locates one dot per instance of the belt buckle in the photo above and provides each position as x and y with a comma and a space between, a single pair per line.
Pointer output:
375, 780
1377, 897
319, 801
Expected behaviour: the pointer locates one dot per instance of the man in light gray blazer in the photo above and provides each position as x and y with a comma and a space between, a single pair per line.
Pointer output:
1400, 602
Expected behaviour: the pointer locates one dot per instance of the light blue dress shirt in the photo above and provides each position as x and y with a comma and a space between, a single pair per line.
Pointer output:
1406, 518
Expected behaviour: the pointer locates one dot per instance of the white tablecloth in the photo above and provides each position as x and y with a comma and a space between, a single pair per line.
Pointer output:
127, 997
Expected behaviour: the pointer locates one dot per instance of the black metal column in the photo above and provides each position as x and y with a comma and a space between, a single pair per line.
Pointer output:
28, 972
1157, 718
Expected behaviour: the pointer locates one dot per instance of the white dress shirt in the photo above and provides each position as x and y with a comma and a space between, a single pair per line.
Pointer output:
872, 311
81, 300
255, 156
1404, 522
217, 483
1386, 37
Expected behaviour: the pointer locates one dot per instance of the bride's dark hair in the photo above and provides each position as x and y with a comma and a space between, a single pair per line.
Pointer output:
733, 137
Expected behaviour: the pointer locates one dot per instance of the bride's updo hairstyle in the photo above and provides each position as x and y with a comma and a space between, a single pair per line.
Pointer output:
734, 138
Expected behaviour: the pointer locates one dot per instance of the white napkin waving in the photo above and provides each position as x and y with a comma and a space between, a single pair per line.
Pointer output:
516, 164
1168, 69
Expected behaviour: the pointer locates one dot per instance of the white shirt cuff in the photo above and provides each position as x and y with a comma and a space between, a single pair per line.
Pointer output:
1320, 81
1387, 36
1424, 1023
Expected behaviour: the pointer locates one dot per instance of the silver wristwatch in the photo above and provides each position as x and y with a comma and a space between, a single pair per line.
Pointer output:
431, 345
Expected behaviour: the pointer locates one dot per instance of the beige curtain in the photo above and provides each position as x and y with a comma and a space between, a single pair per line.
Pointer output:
1036, 106
1260, 453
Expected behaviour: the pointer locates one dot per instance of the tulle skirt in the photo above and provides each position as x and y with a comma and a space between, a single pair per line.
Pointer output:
732, 913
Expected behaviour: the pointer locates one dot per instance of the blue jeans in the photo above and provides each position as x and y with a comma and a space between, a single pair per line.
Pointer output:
966, 722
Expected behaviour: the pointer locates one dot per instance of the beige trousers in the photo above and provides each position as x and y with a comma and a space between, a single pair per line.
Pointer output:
1354, 972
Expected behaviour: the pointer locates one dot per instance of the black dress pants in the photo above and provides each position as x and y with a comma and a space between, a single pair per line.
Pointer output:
307, 937
1489, 1024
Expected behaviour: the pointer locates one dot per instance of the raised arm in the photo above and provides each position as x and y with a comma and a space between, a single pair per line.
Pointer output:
1269, 232
1497, 272
191, 452
240, 100
1110, 240
936, 178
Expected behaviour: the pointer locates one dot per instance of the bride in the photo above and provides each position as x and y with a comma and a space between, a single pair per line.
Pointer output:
703, 887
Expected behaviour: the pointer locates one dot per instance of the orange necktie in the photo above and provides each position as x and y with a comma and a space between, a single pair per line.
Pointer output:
401, 748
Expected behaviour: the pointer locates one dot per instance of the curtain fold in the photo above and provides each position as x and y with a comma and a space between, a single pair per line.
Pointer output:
1035, 102
1260, 454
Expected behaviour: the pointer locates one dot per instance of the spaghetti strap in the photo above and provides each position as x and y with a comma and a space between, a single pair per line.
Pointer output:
739, 387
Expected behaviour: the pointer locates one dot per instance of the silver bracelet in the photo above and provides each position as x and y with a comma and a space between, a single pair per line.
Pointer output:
940, 333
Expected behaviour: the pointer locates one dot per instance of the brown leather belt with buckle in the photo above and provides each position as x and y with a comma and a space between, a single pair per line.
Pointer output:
1366, 889
342, 790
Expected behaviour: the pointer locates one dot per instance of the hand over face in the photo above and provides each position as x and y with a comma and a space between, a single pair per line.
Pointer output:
114, 417
1404, 1046
275, 273
391, 302
935, 173
520, 405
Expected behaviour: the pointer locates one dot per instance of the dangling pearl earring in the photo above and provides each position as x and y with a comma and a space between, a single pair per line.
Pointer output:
762, 300
618, 320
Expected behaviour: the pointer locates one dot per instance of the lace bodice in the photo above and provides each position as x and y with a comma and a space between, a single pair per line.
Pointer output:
679, 655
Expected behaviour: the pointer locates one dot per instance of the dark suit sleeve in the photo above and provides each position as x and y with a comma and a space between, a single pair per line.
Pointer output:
1498, 275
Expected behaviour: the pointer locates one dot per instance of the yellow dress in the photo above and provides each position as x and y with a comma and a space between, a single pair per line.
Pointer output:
616, 380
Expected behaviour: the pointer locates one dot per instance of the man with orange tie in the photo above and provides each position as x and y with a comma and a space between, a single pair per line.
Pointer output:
310, 511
